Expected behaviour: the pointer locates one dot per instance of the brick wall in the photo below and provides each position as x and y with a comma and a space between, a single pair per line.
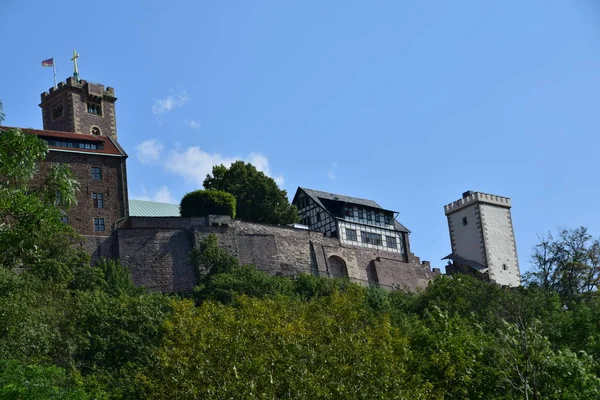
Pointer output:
112, 186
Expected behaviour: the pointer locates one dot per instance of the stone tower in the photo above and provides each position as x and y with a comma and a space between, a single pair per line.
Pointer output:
80, 107
482, 236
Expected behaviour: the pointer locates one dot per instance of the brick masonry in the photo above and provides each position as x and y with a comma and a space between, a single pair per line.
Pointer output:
156, 252
113, 186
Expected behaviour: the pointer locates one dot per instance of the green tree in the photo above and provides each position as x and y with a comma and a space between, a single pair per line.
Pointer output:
201, 203
31, 231
33, 382
259, 199
568, 263
210, 259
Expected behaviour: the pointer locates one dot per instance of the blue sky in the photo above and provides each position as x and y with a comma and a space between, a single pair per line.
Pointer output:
408, 103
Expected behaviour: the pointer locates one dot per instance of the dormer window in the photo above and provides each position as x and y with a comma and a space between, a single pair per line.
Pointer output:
96, 131
57, 110
94, 108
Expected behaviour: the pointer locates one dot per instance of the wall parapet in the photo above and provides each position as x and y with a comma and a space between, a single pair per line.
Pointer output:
477, 197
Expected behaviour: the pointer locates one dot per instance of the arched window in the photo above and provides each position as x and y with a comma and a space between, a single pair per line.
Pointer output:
337, 267
96, 131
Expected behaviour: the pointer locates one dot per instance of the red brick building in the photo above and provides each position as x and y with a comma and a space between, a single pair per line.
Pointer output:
80, 130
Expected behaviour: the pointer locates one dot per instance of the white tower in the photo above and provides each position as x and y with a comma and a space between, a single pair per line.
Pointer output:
482, 236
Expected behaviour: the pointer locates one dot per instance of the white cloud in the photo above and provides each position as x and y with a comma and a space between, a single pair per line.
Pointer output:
149, 151
193, 124
331, 171
162, 106
193, 163
161, 195
262, 164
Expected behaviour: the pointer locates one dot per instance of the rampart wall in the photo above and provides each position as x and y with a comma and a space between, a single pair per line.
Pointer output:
156, 250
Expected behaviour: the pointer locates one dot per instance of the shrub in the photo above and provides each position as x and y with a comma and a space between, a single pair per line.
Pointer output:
201, 203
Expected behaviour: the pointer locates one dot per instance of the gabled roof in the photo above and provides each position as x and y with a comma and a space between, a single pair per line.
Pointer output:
109, 147
143, 208
316, 195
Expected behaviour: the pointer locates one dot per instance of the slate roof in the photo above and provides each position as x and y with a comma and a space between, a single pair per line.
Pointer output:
144, 208
399, 227
109, 147
317, 194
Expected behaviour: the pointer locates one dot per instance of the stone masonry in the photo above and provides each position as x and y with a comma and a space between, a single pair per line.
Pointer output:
156, 249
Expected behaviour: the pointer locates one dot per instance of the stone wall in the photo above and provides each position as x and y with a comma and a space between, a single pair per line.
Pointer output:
156, 251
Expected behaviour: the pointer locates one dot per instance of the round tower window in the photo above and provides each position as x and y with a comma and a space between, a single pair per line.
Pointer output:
96, 131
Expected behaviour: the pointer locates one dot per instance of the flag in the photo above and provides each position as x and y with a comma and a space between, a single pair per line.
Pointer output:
48, 63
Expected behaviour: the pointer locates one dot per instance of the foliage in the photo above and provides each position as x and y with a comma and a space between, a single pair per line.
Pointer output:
568, 264
242, 280
33, 382
94, 334
31, 231
281, 348
211, 259
259, 199
201, 203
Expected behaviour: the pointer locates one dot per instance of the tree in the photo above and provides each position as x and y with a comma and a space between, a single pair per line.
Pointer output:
259, 199
201, 203
31, 231
568, 264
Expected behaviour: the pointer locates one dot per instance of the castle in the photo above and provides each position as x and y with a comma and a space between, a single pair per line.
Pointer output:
338, 236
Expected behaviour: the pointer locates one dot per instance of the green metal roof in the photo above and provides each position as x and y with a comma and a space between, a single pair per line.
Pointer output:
144, 208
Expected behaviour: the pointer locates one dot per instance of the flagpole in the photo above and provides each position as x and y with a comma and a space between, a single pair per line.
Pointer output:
54, 68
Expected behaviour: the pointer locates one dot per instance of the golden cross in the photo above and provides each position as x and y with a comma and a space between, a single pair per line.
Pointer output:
74, 59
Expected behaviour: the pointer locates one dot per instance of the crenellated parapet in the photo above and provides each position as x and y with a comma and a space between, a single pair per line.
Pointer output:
88, 88
471, 197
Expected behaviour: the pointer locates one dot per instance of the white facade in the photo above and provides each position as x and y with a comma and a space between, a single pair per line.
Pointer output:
481, 230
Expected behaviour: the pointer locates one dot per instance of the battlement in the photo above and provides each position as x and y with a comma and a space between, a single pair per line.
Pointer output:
471, 197
92, 89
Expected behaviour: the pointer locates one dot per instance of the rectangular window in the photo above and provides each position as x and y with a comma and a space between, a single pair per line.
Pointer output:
371, 238
391, 242
361, 213
98, 200
369, 216
99, 224
65, 219
318, 216
351, 235
58, 199
97, 173
349, 211
464, 221
377, 217
94, 108
387, 219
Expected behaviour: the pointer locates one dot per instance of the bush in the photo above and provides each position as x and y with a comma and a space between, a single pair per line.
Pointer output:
201, 203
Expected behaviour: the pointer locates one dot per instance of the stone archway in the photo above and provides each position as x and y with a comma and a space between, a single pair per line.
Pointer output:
337, 267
